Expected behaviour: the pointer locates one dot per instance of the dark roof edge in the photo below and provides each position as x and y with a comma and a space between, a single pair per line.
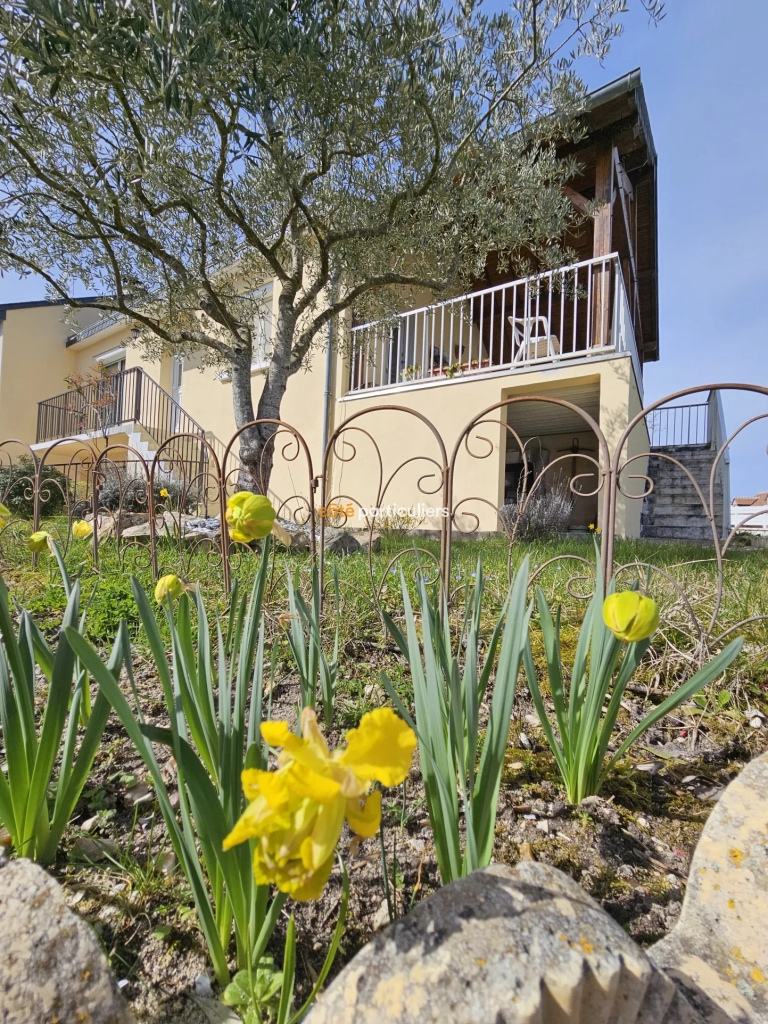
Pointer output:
5, 306
629, 83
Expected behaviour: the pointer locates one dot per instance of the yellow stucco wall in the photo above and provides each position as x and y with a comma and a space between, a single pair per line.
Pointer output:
207, 398
35, 359
450, 406
33, 363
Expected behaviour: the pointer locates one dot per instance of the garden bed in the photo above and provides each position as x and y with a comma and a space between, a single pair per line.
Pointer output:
630, 848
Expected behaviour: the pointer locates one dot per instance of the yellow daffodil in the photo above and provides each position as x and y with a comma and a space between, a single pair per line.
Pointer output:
164, 492
4, 514
166, 585
81, 529
630, 616
39, 541
296, 812
250, 516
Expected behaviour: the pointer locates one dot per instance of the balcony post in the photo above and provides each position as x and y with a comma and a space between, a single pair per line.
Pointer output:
137, 397
602, 237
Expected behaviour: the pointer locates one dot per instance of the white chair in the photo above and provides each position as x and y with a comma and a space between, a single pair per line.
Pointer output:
531, 338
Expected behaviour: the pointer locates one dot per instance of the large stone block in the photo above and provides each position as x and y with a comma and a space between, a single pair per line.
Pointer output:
52, 969
340, 542
718, 951
523, 944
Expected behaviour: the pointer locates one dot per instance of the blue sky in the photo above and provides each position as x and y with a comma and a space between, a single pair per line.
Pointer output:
703, 70
704, 76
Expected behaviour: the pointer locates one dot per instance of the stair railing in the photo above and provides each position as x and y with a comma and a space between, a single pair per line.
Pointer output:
129, 396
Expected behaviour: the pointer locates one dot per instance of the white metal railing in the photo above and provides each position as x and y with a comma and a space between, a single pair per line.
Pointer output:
95, 327
570, 313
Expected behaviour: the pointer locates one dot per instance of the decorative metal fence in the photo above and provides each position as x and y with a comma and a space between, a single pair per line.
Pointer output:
166, 510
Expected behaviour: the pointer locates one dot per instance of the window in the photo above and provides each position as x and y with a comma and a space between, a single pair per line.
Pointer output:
113, 360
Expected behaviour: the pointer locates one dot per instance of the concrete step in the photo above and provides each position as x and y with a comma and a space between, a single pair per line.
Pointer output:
678, 533
679, 504
677, 521
674, 509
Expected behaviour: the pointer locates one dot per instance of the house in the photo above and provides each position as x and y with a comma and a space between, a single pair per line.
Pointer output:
751, 514
581, 335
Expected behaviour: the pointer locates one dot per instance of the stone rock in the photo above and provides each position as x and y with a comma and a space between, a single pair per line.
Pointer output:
340, 542
201, 532
718, 950
202, 540
51, 965
300, 542
372, 543
138, 532
96, 849
381, 918
601, 809
503, 945
110, 524
166, 525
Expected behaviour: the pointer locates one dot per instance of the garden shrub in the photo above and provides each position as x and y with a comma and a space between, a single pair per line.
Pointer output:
545, 517
129, 494
16, 489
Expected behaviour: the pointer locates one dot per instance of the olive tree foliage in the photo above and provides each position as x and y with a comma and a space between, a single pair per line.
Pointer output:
171, 156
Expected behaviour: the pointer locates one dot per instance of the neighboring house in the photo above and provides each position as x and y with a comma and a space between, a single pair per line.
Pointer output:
750, 514
581, 333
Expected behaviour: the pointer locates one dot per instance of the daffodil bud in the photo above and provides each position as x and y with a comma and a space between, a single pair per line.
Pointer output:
38, 541
81, 529
4, 514
166, 585
250, 516
630, 616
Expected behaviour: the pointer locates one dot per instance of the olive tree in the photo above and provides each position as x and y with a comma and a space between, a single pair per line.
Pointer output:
171, 157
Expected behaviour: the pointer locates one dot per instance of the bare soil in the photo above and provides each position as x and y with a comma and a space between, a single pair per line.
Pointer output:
630, 848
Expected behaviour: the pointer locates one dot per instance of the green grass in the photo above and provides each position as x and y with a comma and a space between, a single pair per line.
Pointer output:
685, 585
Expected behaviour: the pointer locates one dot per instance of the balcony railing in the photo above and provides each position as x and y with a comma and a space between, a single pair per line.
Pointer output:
127, 397
571, 313
680, 426
697, 424
96, 327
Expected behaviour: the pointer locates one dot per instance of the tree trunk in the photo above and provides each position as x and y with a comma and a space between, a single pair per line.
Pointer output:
257, 447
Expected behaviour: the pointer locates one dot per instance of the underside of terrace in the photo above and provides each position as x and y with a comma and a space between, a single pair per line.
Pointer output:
551, 449
603, 304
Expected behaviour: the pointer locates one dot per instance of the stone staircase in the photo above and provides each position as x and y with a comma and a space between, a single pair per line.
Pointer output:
673, 510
